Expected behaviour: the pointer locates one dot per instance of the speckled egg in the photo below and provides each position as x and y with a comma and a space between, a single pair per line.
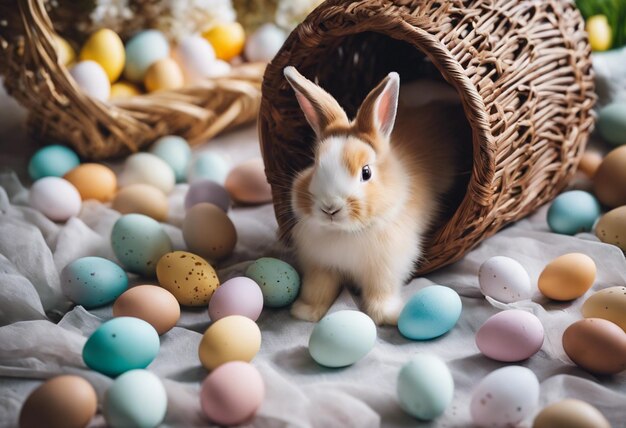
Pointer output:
247, 183
279, 282
175, 151
93, 181
596, 345
233, 338
609, 181
608, 304
190, 278
52, 161
205, 190
55, 197
142, 50
209, 166
151, 303
567, 277
209, 232
611, 228
237, 296
570, 413
141, 199
146, 168
429, 313
93, 281
504, 279
573, 212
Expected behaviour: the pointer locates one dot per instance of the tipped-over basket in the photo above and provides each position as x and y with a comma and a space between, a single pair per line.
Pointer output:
522, 70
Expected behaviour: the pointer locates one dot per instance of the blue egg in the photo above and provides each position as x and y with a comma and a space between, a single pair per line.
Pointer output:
429, 313
93, 281
573, 212
210, 166
175, 151
279, 282
142, 50
52, 161
120, 345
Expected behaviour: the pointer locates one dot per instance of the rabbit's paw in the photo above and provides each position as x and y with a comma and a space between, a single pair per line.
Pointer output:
306, 311
385, 312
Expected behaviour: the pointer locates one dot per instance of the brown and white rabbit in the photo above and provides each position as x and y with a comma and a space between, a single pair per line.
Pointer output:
362, 209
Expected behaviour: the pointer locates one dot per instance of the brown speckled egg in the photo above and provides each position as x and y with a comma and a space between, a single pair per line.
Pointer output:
153, 304
190, 278
609, 181
608, 304
611, 227
247, 183
141, 199
209, 232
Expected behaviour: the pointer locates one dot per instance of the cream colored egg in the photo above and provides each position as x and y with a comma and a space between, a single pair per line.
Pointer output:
165, 74
209, 232
247, 183
567, 277
142, 199
233, 338
190, 278
611, 228
64, 50
146, 168
608, 304
106, 48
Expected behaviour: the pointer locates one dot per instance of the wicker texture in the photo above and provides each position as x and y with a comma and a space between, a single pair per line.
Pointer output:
60, 111
521, 68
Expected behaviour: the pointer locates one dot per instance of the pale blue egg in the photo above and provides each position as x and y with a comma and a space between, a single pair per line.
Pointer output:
429, 313
342, 338
573, 212
93, 281
142, 50
210, 166
279, 282
52, 161
175, 151
136, 399
139, 242
425, 387
120, 345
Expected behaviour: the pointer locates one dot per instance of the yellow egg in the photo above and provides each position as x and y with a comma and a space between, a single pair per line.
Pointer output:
567, 277
599, 31
233, 338
121, 90
64, 50
608, 304
164, 74
227, 39
106, 48
190, 278
93, 181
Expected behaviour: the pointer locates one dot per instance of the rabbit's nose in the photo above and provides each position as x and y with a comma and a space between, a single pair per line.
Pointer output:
332, 209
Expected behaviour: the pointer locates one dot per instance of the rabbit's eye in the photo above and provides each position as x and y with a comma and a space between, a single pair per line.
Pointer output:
366, 173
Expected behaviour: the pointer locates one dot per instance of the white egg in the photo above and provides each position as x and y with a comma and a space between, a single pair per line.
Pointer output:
92, 79
146, 168
195, 55
264, 43
504, 279
55, 197
218, 68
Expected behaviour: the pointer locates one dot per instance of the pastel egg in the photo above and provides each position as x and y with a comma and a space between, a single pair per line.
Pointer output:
92, 79
342, 338
612, 123
247, 183
429, 313
232, 393
570, 413
596, 345
121, 90
120, 345
139, 242
504, 279
612, 227
65, 401
52, 161
141, 199
137, 398
209, 232
227, 39
209, 166
195, 56
175, 151
142, 50
264, 43
233, 338
608, 304
93, 281
93, 181
164, 74
64, 50
573, 212
153, 304
609, 181
589, 163
512, 335
425, 387
146, 168
279, 282
599, 31
55, 197
567, 277
190, 278
207, 191
505, 397
218, 68
106, 48
237, 296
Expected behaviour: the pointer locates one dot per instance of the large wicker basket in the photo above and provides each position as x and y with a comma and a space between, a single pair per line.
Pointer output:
60, 111
521, 67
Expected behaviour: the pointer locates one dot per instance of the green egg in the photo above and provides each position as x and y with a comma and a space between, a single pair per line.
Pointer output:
279, 282
612, 123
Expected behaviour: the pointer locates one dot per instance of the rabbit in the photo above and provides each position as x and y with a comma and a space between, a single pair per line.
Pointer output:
364, 206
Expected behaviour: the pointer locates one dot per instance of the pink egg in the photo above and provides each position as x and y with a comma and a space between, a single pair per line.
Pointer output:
207, 191
512, 335
237, 296
232, 393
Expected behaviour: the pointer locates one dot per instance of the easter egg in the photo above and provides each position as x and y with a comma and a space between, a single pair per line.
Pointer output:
195, 56
608, 304
573, 212
65, 401
264, 43
504, 279
153, 304
52, 161
232, 393
55, 197
567, 277
93, 281
512, 335
174, 151
143, 50
612, 227
589, 163
612, 123
92, 79
247, 183
207, 191
209, 166
121, 90
141, 199
137, 398
599, 31
570, 413
279, 282
218, 68
120, 345
609, 181
237, 296
209, 232
429, 313
146, 168
65, 51
164, 74
188, 277
596, 345
425, 387
233, 338
227, 39
106, 48
93, 181
139, 242
342, 338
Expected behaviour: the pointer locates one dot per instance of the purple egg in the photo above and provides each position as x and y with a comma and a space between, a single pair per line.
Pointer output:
207, 191
237, 296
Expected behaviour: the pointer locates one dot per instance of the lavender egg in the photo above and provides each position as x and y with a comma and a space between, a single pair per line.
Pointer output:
237, 296
207, 191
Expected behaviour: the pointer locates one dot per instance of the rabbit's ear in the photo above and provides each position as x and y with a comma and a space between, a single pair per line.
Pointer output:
318, 106
378, 112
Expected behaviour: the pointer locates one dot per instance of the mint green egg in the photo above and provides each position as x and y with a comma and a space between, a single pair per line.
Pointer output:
93, 281
143, 50
279, 281
175, 151
209, 166
612, 123
52, 161
120, 345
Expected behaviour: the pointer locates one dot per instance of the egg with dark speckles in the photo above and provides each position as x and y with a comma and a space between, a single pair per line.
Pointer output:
93, 281
611, 228
190, 278
279, 281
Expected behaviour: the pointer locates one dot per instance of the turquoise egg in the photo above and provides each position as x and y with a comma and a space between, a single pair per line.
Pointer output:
573, 212
429, 313
612, 123
52, 161
137, 398
142, 50
120, 345
139, 242
175, 151
209, 166
93, 281
279, 282
342, 338
425, 387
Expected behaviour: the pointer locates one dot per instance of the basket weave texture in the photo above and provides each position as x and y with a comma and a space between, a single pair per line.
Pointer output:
522, 70
60, 111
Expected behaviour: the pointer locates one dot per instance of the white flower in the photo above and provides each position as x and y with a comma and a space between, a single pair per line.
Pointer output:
186, 17
291, 12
